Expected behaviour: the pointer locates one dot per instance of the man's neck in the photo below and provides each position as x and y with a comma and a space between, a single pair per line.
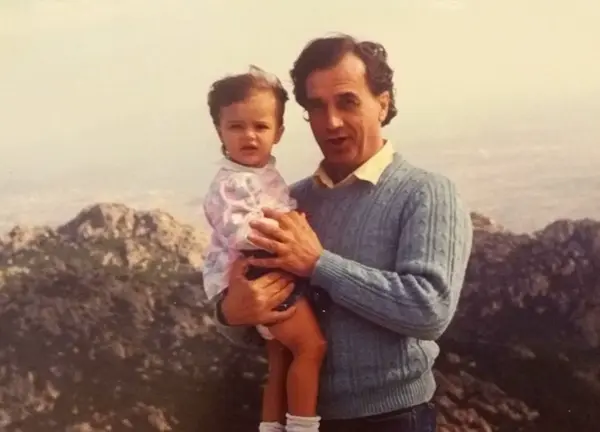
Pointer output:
338, 172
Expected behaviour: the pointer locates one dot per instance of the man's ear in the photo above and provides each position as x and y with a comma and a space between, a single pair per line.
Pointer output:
279, 133
384, 103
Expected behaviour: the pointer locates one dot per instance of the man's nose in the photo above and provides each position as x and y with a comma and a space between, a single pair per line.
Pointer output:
334, 120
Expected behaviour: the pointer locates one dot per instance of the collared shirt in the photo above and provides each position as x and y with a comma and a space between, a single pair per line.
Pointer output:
369, 171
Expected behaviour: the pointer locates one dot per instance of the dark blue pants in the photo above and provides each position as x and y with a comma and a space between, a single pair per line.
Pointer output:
420, 418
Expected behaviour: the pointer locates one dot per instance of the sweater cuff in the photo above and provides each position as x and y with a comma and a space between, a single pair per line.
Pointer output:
329, 271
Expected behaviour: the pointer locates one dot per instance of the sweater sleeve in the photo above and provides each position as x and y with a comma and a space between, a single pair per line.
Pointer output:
419, 298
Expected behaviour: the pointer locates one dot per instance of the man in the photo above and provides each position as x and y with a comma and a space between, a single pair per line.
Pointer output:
388, 245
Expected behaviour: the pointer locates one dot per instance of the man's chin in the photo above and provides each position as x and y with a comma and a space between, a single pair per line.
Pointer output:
340, 158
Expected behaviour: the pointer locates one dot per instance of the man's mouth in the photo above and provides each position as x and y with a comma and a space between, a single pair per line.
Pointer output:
336, 141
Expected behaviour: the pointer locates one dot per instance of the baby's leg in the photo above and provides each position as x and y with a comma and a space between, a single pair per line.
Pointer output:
302, 336
274, 394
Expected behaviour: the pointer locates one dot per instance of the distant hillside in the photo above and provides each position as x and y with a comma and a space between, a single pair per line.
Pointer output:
103, 327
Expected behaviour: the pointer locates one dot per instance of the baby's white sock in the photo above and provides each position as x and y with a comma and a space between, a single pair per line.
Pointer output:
302, 424
271, 427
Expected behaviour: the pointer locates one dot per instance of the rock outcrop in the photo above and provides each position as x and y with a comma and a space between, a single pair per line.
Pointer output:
103, 328
529, 320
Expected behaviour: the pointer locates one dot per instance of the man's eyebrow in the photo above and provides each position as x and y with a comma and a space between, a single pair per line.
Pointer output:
347, 94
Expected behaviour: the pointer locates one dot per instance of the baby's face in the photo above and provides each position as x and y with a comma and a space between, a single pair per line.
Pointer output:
249, 129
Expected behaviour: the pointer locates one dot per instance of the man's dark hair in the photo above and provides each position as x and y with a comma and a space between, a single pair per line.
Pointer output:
326, 52
235, 88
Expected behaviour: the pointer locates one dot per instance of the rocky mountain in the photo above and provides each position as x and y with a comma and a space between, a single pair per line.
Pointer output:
103, 328
529, 322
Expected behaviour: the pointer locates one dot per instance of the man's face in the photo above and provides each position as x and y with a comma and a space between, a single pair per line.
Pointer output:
345, 117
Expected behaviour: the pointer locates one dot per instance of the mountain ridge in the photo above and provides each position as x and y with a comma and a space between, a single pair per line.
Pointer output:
103, 326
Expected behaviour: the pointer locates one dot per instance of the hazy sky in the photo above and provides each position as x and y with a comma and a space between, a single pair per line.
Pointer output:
104, 82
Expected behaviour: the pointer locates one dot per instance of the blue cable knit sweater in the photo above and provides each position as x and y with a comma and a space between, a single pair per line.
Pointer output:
394, 264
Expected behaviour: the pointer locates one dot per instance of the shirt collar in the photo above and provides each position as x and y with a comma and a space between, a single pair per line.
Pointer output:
234, 166
370, 171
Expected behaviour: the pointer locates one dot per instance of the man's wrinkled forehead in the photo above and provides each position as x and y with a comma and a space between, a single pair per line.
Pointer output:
347, 75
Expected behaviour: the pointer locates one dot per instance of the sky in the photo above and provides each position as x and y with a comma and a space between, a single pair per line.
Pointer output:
96, 87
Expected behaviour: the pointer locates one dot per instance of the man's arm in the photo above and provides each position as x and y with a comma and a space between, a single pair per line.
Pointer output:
419, 298
246, 337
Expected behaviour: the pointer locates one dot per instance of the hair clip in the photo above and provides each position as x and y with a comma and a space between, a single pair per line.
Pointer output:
264, 75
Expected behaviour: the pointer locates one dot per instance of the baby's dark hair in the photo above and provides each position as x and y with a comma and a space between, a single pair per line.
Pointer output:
235, 88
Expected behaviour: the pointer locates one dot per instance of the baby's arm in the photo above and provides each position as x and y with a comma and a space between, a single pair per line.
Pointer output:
239, 201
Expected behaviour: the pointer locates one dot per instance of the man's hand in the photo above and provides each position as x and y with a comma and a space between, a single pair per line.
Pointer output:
252, 302
294, 242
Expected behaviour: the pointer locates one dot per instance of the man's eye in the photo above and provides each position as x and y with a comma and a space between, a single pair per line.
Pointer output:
349, 102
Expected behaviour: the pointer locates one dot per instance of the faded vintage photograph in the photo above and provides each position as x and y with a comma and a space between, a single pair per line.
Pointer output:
377, 216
